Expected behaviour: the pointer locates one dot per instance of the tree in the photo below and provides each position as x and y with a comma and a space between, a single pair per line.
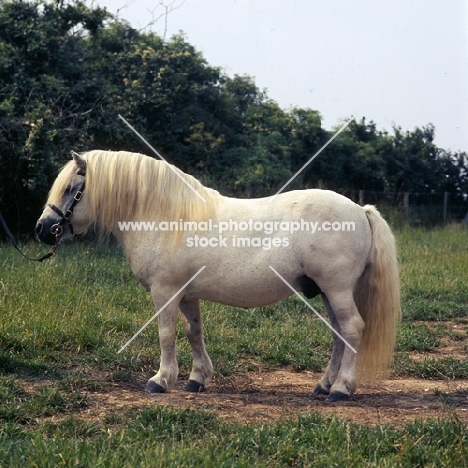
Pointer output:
41, 56
415, 162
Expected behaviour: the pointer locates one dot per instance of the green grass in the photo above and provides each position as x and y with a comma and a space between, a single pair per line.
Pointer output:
416, 337
64, 319
163, 437
434, 266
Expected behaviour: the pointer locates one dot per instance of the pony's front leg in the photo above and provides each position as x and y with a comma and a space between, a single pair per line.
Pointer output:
202, 369
166, 377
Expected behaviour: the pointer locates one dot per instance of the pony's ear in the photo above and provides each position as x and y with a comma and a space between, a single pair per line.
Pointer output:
79, 161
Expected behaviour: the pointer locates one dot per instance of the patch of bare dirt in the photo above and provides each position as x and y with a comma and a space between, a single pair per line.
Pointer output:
268, 395
261, 397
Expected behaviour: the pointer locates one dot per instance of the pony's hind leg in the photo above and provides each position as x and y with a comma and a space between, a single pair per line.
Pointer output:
351, 327
168, 371
202, 369
331, 372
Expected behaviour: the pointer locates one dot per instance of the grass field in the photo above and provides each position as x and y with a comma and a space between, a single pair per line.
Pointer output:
63, 321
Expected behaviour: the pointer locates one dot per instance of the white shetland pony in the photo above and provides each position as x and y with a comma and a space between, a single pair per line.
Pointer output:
354, 270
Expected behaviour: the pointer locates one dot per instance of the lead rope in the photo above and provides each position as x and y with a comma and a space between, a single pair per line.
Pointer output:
15, 245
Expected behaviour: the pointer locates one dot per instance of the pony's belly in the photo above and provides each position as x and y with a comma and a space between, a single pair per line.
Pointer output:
245, 300
243, 290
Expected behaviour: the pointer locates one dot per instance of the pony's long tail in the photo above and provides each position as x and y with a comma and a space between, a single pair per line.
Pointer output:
377, 298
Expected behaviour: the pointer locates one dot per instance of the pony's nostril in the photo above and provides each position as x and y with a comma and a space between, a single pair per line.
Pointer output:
38, 228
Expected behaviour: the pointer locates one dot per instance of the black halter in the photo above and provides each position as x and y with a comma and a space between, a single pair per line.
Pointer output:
57, 229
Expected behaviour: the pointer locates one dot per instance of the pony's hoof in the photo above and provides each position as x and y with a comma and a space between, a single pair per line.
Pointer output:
337, 396
320, 391
153, 387
194, 386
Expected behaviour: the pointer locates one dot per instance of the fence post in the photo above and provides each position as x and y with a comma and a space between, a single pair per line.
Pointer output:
446, 195
361, 197
406, 204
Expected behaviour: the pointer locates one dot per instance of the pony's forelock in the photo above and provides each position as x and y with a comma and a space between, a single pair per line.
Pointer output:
60, 184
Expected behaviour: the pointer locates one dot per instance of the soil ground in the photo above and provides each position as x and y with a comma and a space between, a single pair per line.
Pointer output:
262, 397
267, 395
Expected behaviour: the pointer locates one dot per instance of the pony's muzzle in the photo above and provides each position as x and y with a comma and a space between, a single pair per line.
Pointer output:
46, 231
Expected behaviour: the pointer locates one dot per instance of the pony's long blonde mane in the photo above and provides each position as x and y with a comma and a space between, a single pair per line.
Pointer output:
123, 186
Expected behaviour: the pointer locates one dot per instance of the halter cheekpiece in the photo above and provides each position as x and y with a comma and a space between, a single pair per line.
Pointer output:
57, 229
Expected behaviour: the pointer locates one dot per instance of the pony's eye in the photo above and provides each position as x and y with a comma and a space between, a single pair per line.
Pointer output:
68, 190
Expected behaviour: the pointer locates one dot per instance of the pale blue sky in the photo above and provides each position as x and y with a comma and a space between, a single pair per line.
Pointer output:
401, 62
